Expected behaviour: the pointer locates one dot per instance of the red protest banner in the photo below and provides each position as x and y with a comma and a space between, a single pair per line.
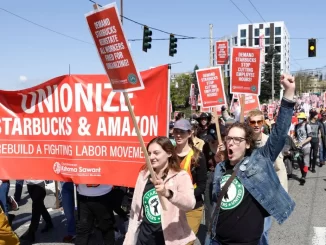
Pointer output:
251, 103
245, 70
77, 128
112, 47
222, 54
211, 86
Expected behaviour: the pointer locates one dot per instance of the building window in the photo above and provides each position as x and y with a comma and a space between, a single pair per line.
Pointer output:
267, 31
243, 33
266, 40
278, 30
235, 40
277, 40
277, 56
278, 49
256, 41
256, 32
266, 49
243, 42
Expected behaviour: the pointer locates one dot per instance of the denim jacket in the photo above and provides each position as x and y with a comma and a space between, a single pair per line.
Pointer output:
257, 174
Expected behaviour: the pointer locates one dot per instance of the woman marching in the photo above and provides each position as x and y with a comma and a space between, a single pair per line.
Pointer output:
246, 188
193, 161
149, 224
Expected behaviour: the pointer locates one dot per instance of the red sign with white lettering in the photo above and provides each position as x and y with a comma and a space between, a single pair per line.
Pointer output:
245, 70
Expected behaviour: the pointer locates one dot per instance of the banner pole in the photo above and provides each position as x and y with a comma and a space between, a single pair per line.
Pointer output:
242, 103
140, 138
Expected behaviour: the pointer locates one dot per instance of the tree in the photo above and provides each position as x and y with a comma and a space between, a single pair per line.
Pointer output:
266, 76
194, 80
180, 89
302, 82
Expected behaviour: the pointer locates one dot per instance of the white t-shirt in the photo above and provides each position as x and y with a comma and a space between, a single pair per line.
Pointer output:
99, 190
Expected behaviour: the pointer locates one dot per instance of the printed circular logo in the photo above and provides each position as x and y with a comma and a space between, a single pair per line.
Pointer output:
152, 206
57, 167
253, 88
220, 100
234, 195
132, 78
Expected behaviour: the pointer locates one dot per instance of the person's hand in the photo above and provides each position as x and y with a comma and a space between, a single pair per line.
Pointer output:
160, 187
289, 86
220, 153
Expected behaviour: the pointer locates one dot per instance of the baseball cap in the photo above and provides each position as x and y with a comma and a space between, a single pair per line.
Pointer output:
183, 124
171, 125
211, 132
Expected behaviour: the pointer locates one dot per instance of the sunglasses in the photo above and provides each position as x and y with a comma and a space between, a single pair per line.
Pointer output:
259, 122
179, 131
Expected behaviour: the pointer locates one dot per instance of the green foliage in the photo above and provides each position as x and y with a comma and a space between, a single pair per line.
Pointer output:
180, 95
266, 76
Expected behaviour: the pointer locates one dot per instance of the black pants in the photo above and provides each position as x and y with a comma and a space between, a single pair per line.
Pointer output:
313, 154
91, 209
37, 194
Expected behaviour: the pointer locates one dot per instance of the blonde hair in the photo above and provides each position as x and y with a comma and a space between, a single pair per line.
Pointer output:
254, 113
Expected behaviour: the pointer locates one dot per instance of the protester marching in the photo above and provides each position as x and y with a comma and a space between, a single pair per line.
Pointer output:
127, 168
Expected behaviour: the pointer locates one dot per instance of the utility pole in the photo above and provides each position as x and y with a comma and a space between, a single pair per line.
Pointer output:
273, 78
211, 45
121, 10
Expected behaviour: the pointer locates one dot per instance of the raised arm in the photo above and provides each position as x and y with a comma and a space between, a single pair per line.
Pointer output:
276, 140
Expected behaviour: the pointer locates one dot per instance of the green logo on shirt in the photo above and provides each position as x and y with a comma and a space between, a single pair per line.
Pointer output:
152, 206
234, 195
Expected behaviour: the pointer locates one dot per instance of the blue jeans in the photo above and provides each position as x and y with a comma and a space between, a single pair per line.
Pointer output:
18, 190
267, 227
68, 204
4, 190
322, 152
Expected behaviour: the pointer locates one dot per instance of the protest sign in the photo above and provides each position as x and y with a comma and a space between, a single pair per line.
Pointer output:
77, 128
251, 103
211, 86
245, 70
222, 54
113, 49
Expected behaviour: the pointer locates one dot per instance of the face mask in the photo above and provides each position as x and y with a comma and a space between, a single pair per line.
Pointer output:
300, 120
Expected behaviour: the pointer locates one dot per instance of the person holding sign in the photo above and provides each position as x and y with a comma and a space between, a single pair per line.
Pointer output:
246, 188
149, 224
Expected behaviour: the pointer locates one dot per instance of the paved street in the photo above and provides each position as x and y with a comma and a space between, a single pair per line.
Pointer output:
307, 225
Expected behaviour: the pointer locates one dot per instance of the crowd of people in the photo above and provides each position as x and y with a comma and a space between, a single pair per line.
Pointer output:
236, 186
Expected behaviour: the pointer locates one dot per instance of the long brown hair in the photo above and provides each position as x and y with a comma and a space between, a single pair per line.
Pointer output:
168, 147
195, 156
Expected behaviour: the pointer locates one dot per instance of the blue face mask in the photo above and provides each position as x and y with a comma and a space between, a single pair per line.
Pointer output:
300, 120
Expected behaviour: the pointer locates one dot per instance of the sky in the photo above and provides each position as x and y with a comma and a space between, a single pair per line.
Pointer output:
30, 55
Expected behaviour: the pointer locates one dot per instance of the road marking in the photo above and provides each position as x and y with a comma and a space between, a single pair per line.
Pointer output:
319, 237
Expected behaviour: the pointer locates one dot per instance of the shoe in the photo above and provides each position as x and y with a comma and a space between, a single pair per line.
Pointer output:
69, 238
302, 180
13, 203
11, 217
28, 236
313, 170
47, 228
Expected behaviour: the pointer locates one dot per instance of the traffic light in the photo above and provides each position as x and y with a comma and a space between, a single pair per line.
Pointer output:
173, 45
147, 39
312, 47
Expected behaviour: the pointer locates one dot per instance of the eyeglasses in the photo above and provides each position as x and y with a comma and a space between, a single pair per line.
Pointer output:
236, 140
259, 123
